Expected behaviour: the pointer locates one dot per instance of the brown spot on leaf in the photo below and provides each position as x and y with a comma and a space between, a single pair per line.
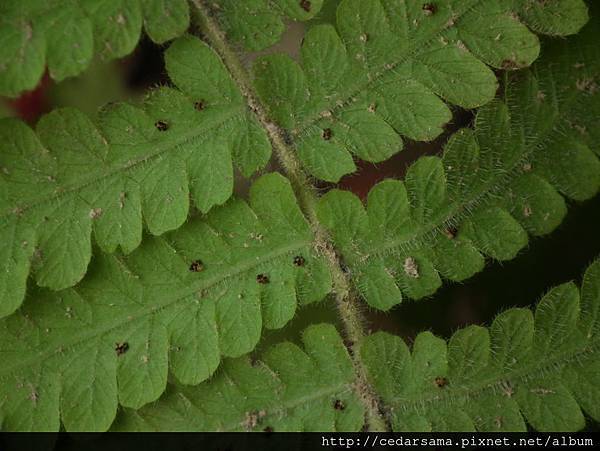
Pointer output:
196, 266
34, 396
586, 84
121, 348
429, 9
440, 382
199, 105
507, 389
161, 126
450, 232
540, 96
122, 197
299, 260
263, 279
339, 405
95, 213
498, 422
509, 64
305, 5
542, 391
327, 134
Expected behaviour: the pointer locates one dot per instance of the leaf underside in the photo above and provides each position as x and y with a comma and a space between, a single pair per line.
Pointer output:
154, 336
176, 304
133, 165
492, 186
542, 369
288, 389
388, 67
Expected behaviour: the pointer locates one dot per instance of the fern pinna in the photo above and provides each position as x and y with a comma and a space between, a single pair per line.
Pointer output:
148, 325
492, 185
541, 369
73, 177
65, 35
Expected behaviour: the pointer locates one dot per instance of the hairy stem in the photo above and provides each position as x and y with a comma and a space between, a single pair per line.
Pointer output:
346, 299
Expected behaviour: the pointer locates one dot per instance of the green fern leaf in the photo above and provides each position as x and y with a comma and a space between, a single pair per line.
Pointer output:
492, 186
258, 24
385, 74
553, 17
177, 303
289, 389
65, 34
542, 370
74, 177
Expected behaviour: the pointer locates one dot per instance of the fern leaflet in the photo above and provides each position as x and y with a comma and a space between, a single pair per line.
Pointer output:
65, 35
154, 335
287, 390
542, 370
385, 73
177, 303
75, 176
491, 186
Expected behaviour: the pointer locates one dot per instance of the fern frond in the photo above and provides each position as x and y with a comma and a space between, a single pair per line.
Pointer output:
258, 24
288, 389
492, 186
385, 74
177, 303
74, 176
541, 370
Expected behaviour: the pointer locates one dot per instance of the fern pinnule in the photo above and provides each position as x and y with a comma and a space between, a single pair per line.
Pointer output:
154, 337
176, 304
491, 187
524, 369
75, 176
385, 68
540, 369
288, 389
